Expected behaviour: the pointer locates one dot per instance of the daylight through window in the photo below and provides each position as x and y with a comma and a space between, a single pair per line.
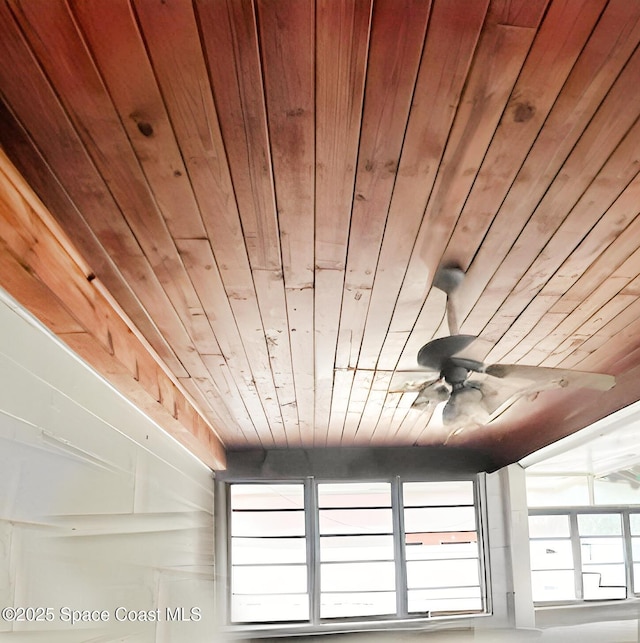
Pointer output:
313, 551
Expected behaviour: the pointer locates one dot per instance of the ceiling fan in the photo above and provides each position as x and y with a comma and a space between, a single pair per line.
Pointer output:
475, 393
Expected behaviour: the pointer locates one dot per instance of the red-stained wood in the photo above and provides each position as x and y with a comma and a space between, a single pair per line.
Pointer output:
598, 66
42, 270
441, 77
287, 47
562, 35
342, 39
397, 37
61, 48
230, 42
499, 57
267, 188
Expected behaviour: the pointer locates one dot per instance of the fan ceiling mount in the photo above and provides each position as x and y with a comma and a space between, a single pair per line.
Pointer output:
475, 393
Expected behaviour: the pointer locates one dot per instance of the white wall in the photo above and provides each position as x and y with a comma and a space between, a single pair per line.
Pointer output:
99, 509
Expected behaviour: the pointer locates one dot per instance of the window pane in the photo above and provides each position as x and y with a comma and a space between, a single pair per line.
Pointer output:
440, 519
268, 550
260, 609
634, 519
357, 604
548, 526
267, 496
354, 577
557, 491
442, 573
438, 546
636, 578
269, 579
356, 521
635, 547
611, 575
455, 599
421, 494
551, 554
616, 491
267, 523
337, 548
599, 524
602, 550
356, 494
553, 585
603, 582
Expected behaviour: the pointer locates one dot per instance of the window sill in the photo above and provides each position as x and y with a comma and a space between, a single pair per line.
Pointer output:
461, 622
579, 612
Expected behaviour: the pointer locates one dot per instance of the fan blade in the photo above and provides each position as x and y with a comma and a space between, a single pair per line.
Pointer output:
448, 279
431, 394
552, 377
409, 381
434, 354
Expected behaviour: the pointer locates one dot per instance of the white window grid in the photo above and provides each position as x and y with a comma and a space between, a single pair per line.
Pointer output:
313, 563
580, 568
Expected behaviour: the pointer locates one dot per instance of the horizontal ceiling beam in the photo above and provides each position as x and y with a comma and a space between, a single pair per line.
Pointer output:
42, 270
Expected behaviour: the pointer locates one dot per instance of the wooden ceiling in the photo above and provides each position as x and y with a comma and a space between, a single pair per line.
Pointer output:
267, 187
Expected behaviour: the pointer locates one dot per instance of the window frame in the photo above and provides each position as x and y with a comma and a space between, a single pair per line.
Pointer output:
402, 616
574, 535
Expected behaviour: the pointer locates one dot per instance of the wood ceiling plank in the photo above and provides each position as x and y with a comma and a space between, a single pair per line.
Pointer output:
185, 85
30, 291
403, 406
111, 34
619, 239
250, 325
362, 382
596, 69
30, 163
342, 39
300, 311
531, 327
619, 278
180, 68
287, 42
499, 56
431, 320
328, 297
606, 313
342, 385
383, 426
271, 299
370, 416
34, 245
287, 38
42, 114
241, 431
230, 40
604, 248
451, 39
98, 124
566, 231
200, 263
396, 42
206, 396
582, 359
412, 425
564, 31
342, 34
610, 355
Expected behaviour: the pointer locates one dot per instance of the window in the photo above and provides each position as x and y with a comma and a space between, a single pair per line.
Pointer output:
314, 551
582, 554
268, 542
